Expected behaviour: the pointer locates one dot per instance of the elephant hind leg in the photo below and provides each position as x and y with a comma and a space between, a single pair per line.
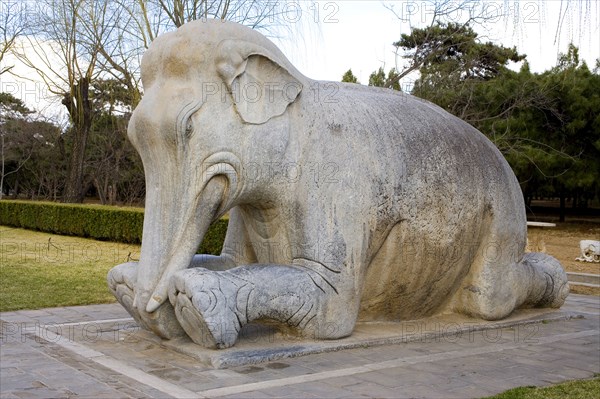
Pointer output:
551, 287
496, 289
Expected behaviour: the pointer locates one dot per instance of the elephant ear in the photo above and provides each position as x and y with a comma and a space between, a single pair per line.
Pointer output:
261, 88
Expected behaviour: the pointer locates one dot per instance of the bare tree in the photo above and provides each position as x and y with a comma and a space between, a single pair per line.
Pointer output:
119, 32
42, 176
122, 30
24, 140
257, 14
13, 23
16, 138
75, 43
58, 52
12, 151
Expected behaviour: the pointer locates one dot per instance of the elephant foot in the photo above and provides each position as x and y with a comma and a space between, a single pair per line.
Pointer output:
553, 279
162, 322
206, 305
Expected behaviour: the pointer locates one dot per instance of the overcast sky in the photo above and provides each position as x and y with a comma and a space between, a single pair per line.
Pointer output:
329, 37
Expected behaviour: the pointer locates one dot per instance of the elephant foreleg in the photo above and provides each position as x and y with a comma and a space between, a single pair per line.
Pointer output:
212, 306
121, 280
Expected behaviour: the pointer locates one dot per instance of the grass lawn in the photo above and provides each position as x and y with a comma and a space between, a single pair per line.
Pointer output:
39, 270
582, 389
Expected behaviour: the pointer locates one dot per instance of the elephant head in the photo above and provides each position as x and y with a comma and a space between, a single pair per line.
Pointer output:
216, 95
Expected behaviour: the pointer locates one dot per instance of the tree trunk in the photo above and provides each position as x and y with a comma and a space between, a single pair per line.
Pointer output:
562, 206
16, 187
74, 182
112, 194
54, 189
2, 156
79, 107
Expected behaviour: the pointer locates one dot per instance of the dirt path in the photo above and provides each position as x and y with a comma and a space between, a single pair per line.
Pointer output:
562, 242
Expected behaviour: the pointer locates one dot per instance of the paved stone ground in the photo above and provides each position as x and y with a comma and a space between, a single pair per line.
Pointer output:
94, 359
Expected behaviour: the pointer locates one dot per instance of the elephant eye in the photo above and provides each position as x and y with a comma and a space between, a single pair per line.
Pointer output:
189, 128
185, 124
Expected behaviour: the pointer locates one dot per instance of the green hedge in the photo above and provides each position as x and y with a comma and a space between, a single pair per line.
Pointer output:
100, 222
213, 240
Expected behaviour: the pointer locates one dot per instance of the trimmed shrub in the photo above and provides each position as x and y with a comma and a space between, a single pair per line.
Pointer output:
104, 223
100, 222
213, 240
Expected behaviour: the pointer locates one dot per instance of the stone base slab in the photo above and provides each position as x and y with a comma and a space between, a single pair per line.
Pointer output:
259, 343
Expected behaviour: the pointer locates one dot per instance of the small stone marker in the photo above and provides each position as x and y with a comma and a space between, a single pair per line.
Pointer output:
590, 251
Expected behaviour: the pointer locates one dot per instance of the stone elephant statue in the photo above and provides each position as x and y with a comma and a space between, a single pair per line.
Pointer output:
344, 201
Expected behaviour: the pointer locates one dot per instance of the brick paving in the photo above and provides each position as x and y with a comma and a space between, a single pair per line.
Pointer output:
78, 352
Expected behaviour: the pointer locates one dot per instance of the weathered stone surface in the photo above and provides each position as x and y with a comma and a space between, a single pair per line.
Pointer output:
345, 201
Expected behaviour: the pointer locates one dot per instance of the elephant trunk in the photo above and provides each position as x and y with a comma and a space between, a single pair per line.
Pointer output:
173, 230
179, 211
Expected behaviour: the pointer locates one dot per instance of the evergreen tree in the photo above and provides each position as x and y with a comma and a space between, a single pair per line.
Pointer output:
349, 77
379, 79
546, 125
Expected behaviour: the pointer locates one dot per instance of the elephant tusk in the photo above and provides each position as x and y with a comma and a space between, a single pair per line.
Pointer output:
154, 304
